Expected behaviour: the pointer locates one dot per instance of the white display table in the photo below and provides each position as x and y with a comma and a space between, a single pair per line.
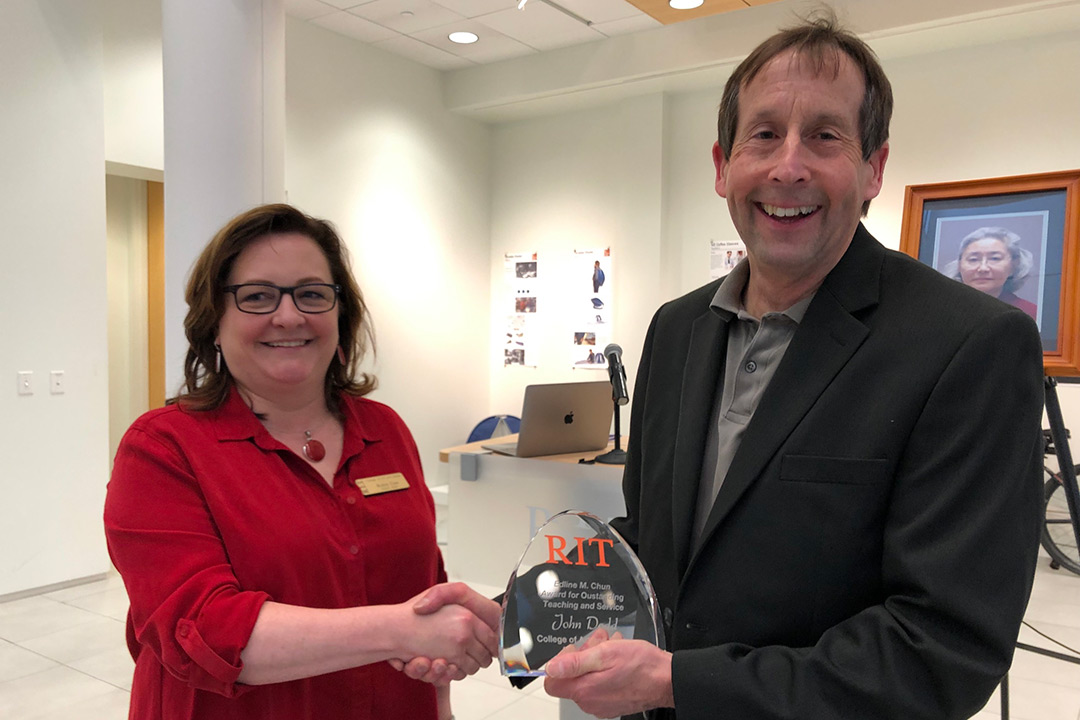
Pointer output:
493, 517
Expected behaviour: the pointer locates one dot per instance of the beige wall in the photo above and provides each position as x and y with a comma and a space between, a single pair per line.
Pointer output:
126, 279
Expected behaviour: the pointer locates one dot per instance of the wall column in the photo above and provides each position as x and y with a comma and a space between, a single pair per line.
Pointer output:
224, 83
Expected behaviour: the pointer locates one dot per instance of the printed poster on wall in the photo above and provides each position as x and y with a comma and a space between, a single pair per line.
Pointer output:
520, 296
590, 285
724, 255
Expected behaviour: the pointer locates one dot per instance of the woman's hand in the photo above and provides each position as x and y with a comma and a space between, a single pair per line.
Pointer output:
441, 670
452, 624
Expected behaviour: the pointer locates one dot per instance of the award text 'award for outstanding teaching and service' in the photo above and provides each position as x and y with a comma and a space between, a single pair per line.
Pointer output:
576, 575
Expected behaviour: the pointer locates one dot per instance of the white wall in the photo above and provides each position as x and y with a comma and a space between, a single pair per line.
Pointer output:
134, 108
129, 393
371, 148
587, 179
52, 196
977, 111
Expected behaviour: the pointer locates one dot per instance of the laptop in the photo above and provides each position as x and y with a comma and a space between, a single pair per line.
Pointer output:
561, 418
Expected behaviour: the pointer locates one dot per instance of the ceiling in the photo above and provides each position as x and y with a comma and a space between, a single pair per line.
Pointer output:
418, 29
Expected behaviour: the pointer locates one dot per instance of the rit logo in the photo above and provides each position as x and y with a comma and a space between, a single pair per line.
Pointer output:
557, 543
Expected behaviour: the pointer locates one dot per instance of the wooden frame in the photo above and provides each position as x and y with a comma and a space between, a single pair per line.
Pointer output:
1043, 213
155, 296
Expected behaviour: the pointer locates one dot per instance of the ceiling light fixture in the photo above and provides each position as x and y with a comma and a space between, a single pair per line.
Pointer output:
463, 38
521, 5
685, 4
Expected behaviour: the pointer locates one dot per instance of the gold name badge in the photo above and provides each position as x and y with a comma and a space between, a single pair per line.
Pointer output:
381, 484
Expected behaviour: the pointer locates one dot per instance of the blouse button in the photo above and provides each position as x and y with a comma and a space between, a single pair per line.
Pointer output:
354, 549
751, 366
351, 500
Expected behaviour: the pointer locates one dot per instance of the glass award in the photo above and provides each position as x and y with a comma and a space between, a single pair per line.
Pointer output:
577, 575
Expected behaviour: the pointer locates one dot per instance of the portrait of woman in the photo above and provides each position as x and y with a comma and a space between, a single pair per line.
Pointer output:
991, 260
271, 524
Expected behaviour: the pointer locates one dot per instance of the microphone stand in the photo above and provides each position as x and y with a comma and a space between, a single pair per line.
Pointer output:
618, 455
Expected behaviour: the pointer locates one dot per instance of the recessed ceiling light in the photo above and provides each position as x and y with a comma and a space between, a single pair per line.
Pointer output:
685, 4
463, 38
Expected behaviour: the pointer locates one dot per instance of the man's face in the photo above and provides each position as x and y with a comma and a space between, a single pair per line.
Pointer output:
796, 181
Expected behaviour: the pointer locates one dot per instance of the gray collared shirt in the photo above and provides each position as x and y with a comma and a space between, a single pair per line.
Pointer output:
754, 350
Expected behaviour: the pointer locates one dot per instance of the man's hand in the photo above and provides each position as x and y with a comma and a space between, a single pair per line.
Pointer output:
440, 671
609, 678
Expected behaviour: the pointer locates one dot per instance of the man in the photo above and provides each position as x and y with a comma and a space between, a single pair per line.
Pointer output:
833, 474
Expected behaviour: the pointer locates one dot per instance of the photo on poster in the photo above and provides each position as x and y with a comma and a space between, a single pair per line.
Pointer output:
724, 255
520, 292
591, 283
516, 345
514, 356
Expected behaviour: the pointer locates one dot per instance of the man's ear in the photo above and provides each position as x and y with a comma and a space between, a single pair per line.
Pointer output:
721, 169
877, 172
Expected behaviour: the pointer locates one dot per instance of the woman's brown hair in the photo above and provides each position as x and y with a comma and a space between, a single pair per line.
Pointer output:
206, 385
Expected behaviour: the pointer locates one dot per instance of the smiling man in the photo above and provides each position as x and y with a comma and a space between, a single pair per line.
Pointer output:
834, 463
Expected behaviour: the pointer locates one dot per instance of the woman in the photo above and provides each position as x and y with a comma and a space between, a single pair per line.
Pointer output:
992, 261
272, 526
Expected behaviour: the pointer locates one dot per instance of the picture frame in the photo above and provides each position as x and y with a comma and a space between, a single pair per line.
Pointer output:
1017, 238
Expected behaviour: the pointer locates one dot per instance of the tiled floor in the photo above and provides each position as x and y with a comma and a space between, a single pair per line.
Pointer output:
62, 657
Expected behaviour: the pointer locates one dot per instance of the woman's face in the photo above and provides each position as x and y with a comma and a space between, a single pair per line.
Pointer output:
285, 353
985, 265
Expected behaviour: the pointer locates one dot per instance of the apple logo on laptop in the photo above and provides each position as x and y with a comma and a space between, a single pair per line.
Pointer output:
569, 418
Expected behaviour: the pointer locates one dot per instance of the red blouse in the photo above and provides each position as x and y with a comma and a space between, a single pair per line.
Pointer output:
208, 516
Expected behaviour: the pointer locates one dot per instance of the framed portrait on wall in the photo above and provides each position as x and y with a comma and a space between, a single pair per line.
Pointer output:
1015, 238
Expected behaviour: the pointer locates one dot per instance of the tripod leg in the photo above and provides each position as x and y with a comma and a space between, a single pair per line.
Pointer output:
1061, 447
1005, 697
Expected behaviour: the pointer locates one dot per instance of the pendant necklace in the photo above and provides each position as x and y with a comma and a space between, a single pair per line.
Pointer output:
313, 449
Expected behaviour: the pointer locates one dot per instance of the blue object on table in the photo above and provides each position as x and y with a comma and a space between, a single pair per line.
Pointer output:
495, 426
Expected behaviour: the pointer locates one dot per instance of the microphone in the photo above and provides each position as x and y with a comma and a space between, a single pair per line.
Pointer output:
617, 374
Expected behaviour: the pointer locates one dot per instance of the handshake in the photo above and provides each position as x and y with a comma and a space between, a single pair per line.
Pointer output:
451, 632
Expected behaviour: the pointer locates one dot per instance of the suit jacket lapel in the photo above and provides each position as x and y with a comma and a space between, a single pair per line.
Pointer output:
825, 340
708, 348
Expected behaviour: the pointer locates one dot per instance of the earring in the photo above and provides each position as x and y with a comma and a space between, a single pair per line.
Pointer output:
217, 359
340, 355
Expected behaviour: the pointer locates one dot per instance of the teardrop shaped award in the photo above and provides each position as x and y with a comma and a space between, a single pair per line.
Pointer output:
576, 575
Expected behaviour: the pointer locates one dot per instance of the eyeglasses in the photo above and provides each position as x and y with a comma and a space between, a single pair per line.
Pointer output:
263, 299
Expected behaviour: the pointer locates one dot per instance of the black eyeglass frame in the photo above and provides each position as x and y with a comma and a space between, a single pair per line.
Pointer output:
282, 292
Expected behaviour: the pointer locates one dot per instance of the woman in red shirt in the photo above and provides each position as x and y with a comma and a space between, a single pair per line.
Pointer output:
272, 525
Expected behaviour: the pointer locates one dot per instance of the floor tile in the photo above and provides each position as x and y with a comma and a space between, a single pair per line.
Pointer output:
17, 662
90, 638
56, 690
527, 707
113, 666
34, 617
473, 699
113, 705
90, 588
1035, 700
111, 603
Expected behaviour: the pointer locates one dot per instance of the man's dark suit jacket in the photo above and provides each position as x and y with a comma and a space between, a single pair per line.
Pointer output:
872, 548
